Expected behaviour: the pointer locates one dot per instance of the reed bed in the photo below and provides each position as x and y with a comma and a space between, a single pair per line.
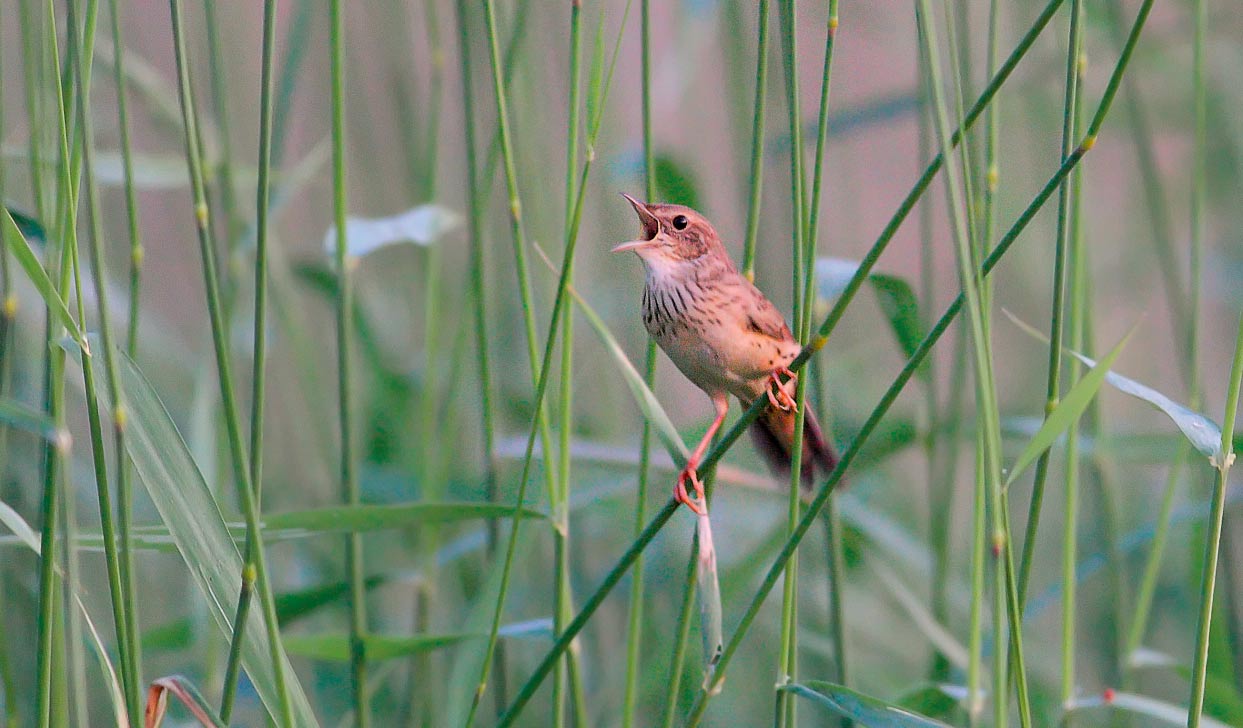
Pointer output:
323, 403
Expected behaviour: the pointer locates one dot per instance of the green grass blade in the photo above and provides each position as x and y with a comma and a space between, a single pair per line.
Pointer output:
29, 262
1067, 412
181, 688
347, 519
187, 507
1202, 432
868, 711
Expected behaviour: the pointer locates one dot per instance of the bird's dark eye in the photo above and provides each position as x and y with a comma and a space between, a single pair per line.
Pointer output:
680, 222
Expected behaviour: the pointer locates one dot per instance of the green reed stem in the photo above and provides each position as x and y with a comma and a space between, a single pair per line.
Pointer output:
542, 367
987, 410
787, 666
30, 25
757, 143
634, 627
118, 576
920, 353
731, 436
479, 288
125, 496
259, 365
682, 627
1065, 270
1225, 457
559, 499
350, 491
224, 169
1191, 323
131, 216
241, 470
49, 680
1057, 319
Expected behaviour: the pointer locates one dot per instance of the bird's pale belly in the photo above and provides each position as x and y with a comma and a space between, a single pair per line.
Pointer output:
717, 359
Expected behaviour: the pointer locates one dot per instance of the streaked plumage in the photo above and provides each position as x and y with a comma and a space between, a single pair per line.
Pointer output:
720, 331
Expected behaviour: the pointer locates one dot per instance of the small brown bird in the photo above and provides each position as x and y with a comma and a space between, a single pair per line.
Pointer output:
723, 334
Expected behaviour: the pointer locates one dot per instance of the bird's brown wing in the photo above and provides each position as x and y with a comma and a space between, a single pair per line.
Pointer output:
764, 318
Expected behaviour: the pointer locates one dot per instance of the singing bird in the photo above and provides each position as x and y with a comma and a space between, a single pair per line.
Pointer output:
723, 334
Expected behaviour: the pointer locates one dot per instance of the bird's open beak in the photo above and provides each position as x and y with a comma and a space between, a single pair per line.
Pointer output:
650, 227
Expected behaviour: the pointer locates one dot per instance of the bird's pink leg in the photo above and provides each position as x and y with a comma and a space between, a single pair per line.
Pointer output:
690, 473
778, 395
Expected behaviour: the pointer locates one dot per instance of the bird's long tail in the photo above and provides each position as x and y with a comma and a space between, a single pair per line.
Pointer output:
773, 433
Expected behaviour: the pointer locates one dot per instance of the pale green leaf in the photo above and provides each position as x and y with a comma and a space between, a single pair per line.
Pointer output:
1202, 432
1066, 413
642, 394
29, 262
865, 710
186, 505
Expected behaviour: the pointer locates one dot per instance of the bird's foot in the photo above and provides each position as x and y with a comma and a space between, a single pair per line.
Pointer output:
680, 493
778, 395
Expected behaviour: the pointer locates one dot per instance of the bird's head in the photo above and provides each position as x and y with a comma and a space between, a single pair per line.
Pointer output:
671, 235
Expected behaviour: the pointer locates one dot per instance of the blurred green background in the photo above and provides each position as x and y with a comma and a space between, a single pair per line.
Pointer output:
907, 501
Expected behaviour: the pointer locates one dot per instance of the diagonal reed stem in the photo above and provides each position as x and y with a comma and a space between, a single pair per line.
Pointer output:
662, 517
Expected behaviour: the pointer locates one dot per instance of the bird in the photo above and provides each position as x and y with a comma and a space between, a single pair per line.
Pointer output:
724, 335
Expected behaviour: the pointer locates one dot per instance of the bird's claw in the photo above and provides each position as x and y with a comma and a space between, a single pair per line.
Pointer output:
680, 493
778, 395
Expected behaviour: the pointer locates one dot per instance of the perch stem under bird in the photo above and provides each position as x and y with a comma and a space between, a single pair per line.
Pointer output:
723, 334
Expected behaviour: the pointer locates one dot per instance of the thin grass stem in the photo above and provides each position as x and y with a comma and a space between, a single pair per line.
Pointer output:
787, 668
662, 517
757, 142
259, 363
634, 627
479, 288
241, 469
351, 494
542, 367
1223, 461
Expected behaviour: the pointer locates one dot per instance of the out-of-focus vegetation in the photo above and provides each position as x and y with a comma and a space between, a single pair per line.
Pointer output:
437, 182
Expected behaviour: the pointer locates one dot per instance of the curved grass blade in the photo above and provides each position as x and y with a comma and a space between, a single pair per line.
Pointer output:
861, 708
24, 533
643, 396
187, 507
1067, 412
26, 418
347, 519
709, 588
181, 688
335, 646
1202, 432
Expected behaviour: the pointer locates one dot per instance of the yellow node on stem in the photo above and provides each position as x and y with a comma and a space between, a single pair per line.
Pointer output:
136, 255
120, 417
10, 306
201, 214
1089, 141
